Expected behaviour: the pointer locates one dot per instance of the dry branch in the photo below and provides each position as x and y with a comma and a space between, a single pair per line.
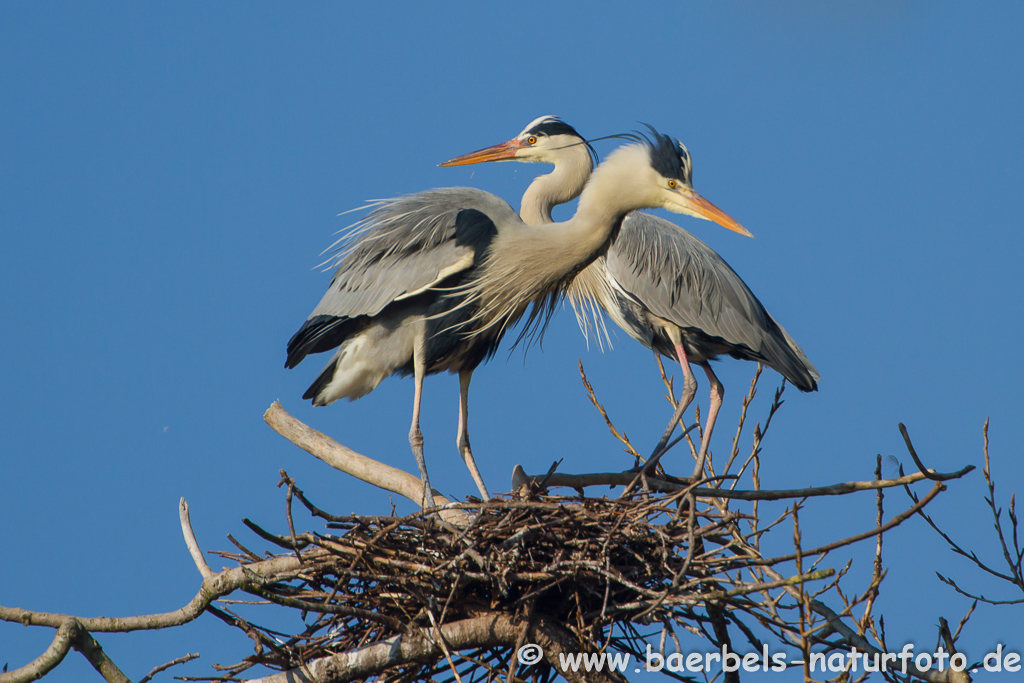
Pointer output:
492, 630
1013, 559
75, 632
164, 667
348, 461
47, 661
579, 481
70, 635
227, 581
451, 593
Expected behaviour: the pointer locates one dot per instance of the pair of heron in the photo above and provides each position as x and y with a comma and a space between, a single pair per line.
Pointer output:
432, 281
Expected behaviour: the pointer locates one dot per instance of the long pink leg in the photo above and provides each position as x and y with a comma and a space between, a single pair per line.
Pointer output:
717, 394
415, 435
463, 439
689, 390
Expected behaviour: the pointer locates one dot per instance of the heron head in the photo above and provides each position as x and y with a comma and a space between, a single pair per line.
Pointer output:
544, 140
672, 171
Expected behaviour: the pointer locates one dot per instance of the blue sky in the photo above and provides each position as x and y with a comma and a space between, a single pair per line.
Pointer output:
170, 175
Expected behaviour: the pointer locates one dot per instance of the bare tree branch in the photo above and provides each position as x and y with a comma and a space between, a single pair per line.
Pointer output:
190, 541
87, 645
577, 481
348, 461
227, 581
48, 661
164, 667
453, 592
607, 420
420, 646
70, 635
1014, 559
894, 522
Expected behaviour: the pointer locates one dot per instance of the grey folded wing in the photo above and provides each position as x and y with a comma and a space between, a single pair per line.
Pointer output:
403, 247
678, 278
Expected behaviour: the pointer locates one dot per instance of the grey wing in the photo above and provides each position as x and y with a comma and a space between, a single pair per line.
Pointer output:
403, 247
678, 278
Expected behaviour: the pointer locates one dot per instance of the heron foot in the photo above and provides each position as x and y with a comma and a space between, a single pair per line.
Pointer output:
467, 457
416, 443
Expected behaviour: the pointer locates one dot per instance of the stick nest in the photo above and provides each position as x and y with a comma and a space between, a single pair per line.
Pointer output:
582, 562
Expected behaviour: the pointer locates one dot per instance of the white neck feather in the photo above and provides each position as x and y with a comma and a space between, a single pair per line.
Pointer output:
624, 182
530, 262
573, 167
621, 184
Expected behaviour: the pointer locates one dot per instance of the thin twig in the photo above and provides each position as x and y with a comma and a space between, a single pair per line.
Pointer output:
163, 667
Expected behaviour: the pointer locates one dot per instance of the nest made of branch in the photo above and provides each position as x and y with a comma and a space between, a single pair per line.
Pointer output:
582, 562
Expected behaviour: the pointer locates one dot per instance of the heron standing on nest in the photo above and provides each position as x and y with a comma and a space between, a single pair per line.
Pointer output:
432, 281
663, 286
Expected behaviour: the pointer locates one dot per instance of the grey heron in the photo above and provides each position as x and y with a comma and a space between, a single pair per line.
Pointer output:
431, 281
659, 283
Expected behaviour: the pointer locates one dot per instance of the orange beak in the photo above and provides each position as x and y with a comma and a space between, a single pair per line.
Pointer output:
702, 208
502, 152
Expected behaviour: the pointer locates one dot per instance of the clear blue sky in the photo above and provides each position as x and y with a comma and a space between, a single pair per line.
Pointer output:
169, 175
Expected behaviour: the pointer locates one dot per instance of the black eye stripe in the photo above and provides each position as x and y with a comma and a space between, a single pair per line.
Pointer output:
550, 127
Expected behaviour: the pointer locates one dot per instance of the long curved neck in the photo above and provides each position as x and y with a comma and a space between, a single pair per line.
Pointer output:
548, 253
530, 263
573, 167
614, 190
